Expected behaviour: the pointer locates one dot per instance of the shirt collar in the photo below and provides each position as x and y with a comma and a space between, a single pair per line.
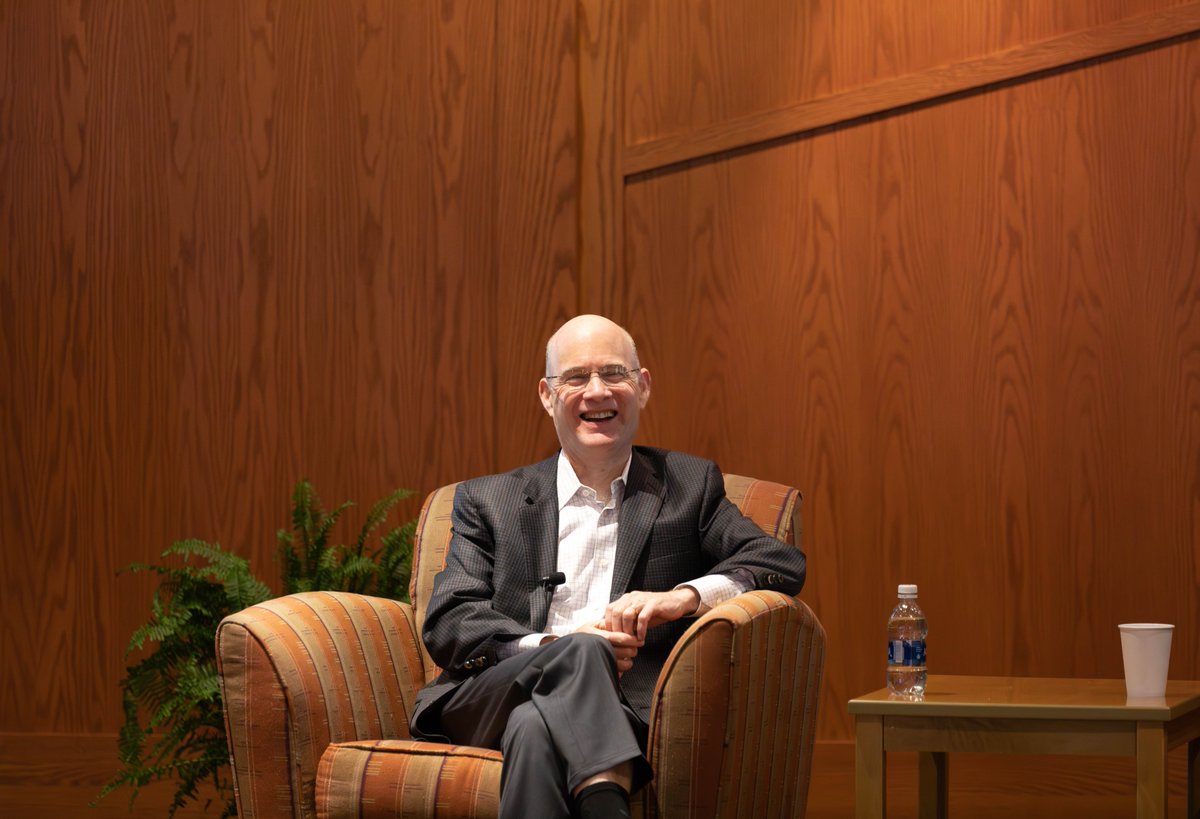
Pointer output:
568, 482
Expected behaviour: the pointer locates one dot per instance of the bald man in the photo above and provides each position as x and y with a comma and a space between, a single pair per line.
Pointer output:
568, 582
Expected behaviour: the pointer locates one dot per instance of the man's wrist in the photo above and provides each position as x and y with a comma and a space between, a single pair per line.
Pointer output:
690, 596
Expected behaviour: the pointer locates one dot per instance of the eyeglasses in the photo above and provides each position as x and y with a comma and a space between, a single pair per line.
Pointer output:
614, 375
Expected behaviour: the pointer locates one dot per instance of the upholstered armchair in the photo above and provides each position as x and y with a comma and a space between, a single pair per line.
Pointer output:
318, 688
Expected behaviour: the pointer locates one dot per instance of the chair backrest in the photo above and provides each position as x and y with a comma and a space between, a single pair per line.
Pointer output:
773, 506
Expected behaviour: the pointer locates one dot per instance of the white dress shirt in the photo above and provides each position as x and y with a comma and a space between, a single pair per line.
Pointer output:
587, 549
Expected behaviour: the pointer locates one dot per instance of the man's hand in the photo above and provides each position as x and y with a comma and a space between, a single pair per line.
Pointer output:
634, 613
624, 646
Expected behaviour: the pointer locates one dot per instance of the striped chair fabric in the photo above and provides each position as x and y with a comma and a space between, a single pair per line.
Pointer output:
318, 687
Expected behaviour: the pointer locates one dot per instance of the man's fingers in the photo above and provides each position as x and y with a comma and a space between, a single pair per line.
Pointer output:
624, 655
617, 639
622, 613
614, 617
620, 639
646, 619
629, 619
635, 613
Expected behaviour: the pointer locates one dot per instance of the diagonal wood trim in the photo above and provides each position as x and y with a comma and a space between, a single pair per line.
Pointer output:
911, 89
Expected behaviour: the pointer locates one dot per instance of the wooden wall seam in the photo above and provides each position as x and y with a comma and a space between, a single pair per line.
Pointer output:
1021, 62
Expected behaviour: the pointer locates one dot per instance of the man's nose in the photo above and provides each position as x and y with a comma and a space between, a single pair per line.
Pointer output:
595, 384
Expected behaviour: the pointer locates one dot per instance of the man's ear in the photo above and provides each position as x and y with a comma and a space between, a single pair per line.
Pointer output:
644, 383
546, 395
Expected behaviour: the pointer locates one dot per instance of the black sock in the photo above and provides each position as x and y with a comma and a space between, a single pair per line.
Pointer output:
603, 800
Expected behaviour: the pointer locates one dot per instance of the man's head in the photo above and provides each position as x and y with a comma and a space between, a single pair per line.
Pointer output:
594, 390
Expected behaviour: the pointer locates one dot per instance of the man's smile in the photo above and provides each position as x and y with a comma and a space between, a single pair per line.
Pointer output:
598, 416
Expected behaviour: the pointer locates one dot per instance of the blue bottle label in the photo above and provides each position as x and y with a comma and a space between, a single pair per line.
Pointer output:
906, 652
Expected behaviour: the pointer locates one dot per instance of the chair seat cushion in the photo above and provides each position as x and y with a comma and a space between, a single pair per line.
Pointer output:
403, 777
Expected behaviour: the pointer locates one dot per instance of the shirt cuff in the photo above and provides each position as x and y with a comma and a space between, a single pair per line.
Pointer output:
715, 589
529, 641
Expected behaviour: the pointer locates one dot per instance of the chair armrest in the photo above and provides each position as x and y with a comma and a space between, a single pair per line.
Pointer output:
302, 671
734, 714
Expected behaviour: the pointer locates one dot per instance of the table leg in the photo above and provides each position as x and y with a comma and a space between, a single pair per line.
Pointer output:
870, 768
1151, 771
933, 790
1193, 779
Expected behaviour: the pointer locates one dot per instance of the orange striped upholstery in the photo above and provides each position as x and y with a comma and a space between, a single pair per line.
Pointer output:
389, 778
733, 720
430, 543
302, 671
318, 686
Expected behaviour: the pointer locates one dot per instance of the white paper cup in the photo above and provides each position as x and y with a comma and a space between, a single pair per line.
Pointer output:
1146, 649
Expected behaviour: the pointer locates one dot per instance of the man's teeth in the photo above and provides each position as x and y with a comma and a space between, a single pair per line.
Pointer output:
599, 416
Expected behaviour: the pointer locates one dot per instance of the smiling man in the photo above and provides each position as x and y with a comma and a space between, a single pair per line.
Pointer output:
567, 583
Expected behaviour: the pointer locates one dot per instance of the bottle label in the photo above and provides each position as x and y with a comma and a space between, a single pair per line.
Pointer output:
906, 652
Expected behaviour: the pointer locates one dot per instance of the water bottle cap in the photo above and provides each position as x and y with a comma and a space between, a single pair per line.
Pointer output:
907, 590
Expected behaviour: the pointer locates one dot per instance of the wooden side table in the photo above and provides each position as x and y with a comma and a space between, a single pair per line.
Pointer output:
1024, 715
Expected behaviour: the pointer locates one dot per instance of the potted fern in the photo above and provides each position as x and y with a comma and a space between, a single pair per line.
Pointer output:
174, 727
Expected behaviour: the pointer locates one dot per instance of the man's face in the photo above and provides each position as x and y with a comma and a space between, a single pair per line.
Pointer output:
596, 422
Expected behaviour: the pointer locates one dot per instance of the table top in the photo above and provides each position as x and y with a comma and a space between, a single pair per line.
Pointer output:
1033, 698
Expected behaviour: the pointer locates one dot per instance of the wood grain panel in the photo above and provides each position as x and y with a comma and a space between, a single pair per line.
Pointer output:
242, 244
464, 187
79, 202
60, 774
689, 66
894, 92
601, 140
968, 334
537, 224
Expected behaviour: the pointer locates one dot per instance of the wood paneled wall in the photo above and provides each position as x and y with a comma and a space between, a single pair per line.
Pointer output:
937, 266
934, 264
244, 242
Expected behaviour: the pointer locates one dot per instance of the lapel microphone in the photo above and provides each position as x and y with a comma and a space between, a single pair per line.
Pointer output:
551, 580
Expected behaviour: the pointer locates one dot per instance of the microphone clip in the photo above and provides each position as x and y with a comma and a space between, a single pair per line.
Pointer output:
550, 581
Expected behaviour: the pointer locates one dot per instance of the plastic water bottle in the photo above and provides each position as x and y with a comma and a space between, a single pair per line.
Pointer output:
907, 630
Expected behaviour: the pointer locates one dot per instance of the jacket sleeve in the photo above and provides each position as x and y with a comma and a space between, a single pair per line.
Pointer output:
743, 550
463, 627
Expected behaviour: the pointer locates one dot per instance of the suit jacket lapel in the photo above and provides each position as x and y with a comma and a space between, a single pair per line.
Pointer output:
640, 505
539, 524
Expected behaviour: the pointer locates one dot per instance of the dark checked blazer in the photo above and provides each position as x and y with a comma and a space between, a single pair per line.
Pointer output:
675, 525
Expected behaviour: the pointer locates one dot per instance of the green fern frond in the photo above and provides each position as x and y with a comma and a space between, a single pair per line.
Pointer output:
243, 590
377, 515
326, 560
326, 523
191, 547
356, 573
133, 568
290, 567
166, 625
304, 507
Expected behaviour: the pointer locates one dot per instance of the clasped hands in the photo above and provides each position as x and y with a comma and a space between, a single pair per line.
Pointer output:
630, 616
